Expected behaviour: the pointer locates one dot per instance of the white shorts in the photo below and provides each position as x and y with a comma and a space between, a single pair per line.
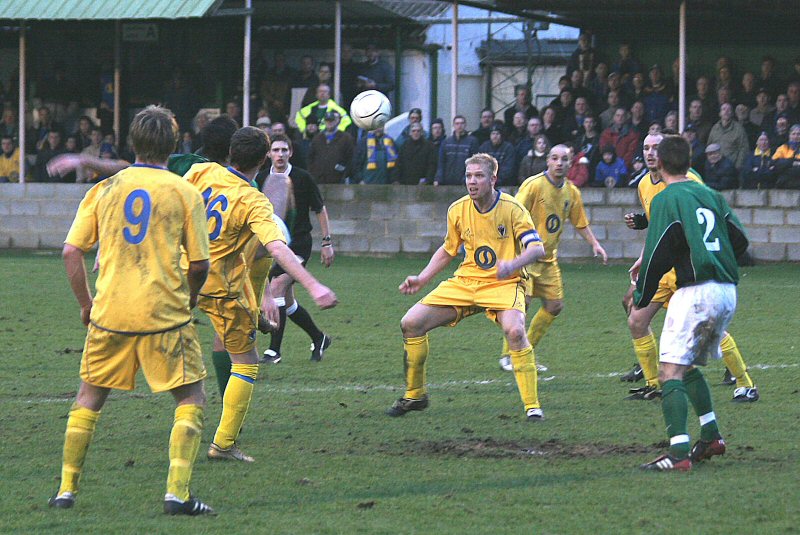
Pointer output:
696, 320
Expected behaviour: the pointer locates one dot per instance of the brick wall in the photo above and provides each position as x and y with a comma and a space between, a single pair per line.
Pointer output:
386, 220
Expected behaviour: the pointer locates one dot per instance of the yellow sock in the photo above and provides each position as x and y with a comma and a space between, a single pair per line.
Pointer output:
259, 269
734, 361
80, 429
505, 349
527, 379
416, 353
539, 325
235, 403
647, 354
184, 441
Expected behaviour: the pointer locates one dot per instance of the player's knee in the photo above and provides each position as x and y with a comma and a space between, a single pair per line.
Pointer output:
411, 326
637, 323
515, 334
664, 376
668, 372
554, 307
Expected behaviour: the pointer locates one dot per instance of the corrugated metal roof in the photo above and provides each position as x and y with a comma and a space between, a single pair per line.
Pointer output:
103, 9
414, 9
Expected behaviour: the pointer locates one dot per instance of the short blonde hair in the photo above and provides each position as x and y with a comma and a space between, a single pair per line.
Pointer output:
154, 134
486, 161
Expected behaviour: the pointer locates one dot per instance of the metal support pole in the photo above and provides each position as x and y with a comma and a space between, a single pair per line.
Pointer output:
248, 25
434, 77
487, 90
117, 77
682, 68
398, 71
529, 60
21, 113
454, 65
337, 55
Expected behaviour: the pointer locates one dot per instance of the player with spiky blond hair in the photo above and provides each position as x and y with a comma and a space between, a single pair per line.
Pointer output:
499, 239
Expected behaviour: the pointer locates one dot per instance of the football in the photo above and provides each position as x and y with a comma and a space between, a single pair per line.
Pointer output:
370, 110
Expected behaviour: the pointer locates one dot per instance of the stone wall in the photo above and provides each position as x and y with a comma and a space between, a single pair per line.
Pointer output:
387, 220
398, 219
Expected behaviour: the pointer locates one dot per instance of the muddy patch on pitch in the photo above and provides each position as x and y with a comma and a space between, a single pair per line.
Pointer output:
490, 448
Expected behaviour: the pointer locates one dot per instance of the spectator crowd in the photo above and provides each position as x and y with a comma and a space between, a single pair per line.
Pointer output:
744, 128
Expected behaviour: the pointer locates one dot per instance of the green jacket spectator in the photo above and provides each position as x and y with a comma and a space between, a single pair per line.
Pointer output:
319, 108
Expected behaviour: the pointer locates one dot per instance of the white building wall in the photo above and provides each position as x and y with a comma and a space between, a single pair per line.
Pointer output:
471, 97
415, 84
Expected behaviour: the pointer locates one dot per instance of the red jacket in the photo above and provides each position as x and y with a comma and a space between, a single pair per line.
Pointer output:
624, 141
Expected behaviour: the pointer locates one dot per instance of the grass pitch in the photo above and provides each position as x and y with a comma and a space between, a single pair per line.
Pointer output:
329, 461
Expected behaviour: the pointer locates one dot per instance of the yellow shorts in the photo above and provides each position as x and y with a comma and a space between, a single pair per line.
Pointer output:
544, 281
468, 297
234, 319
667, 286
168, 359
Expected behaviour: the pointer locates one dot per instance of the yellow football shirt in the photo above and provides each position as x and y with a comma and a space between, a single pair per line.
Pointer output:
648, 190
237, 212
142, 216
549, 206
500, 233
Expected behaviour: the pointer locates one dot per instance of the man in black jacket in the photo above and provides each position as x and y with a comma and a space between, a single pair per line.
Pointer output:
719, 172
452, 153
416, 163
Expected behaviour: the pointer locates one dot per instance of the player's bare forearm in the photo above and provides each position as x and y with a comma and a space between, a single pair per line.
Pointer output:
438, 262
198, 271
287, 260
324, 223
587, 234
326, 253
532, 253
67, 163
322, 295
78, 281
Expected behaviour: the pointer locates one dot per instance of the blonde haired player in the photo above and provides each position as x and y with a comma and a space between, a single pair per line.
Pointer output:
639, 319
140, 316
499, 239
551, 199
238, 217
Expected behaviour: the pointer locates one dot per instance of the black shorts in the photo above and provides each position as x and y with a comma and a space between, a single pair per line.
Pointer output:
300, 247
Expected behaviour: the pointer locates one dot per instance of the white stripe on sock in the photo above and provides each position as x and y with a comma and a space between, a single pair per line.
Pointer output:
678, 439
280, 301
292, 309
707, 418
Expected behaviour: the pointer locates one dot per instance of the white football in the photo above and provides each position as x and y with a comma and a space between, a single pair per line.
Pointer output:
370, 110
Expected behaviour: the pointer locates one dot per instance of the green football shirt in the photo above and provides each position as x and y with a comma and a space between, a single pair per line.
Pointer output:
694, 230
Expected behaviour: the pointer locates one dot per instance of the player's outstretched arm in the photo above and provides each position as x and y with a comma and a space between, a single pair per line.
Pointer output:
438, 262
198, 271
67, 163
532, 253
587, 234
322, 295
76, 272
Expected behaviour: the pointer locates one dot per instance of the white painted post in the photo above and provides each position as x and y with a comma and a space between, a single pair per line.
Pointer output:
21, 113
248, 26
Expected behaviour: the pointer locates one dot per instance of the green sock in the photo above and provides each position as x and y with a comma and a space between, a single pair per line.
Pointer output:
675, 406
222, 364
700, 396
